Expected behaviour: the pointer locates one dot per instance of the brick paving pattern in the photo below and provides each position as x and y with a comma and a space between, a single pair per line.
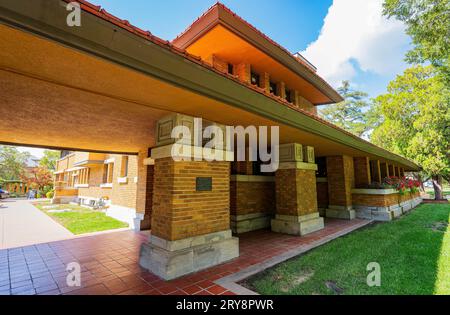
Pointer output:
109, 264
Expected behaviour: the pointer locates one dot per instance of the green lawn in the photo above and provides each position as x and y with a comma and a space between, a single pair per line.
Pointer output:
81, 220
413, 253
445, 192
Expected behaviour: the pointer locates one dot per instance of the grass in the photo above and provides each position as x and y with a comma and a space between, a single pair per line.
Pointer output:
445, 192
81, 220
413, 253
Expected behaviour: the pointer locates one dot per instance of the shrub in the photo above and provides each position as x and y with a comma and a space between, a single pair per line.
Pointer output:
50, 194
402, 184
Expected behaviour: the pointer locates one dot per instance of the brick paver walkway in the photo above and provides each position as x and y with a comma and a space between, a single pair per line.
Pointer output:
109, 263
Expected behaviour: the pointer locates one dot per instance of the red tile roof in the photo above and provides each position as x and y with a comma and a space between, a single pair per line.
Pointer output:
304, 62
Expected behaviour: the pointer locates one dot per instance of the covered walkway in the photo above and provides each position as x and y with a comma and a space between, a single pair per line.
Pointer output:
109, 263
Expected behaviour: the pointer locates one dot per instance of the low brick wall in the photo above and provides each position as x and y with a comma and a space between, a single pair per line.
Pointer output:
252, 197
252, 202
383, 204
375, 200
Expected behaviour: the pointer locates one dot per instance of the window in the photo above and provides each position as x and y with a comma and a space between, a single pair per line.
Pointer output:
83, 176
321, 167
254, 78
108, 173
273, 88
230, 68
124, 167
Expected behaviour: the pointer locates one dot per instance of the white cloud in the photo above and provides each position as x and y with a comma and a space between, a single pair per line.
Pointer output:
33, 151
356, 32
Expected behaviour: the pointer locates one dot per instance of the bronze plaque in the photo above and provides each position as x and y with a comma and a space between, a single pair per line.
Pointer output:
203, 184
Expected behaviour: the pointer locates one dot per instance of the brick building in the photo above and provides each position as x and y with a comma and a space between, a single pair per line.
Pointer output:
87, 178
123, 90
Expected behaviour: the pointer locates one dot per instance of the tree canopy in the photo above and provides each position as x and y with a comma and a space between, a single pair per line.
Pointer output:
427, 22
414, 119
349, 114
49, 159
12, 162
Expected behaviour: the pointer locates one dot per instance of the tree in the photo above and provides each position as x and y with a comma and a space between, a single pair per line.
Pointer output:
49, 159
349, 114
37, 178
427, 22
415, 121
12, 162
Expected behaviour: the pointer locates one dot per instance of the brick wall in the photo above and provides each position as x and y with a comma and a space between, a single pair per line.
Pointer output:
264, 82
242, 167
179, 211
375, 200
362, 172
95, 180
340, 173
296, 193
243, 72
121, 194
252, 197
322, 194
124, 194
218, 63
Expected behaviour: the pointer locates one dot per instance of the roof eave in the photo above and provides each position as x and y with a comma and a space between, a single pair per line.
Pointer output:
204, 80
220, 14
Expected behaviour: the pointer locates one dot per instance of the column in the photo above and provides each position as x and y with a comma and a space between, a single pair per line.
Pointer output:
243, 72
143, 189
296, 193
340, 172
391, 170
362, 172
190, 215
384, 170
264, 82
281, 89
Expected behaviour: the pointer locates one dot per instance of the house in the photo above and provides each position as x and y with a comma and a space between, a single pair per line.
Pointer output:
119, 90
88, 178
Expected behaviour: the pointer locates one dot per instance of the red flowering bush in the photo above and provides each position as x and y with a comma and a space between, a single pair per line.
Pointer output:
401, 184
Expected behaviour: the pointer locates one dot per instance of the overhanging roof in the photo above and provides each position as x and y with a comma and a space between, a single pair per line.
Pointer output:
114, 40
221, 17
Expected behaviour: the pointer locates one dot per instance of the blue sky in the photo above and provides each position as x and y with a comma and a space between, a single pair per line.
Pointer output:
296, 24
292, 23
344, 39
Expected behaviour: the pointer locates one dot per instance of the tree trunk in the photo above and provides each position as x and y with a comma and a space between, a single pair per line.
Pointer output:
437, 185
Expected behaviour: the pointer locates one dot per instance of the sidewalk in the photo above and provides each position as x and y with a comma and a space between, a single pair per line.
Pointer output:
22, 224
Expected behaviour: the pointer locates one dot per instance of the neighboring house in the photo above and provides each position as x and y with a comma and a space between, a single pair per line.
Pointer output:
32, 162
87, 178
125, 89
